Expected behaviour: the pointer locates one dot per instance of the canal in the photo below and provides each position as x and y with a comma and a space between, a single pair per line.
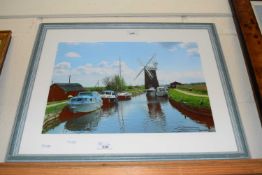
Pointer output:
141, 114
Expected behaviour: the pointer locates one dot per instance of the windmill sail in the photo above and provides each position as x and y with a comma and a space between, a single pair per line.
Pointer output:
139, 73
150, 73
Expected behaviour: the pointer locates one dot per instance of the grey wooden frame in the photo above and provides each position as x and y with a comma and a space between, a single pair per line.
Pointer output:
12, 154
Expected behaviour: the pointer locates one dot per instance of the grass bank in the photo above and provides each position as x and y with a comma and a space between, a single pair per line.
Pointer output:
52, 112
98, 89
135, 90
197, 88
55, 107
191, 100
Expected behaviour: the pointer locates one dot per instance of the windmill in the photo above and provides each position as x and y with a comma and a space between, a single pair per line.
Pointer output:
149, 70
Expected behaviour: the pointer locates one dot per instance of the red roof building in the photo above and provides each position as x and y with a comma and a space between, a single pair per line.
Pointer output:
62, 91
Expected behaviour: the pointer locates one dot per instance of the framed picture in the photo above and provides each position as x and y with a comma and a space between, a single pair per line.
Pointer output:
5, 37
247, 17
257, 8
127, 92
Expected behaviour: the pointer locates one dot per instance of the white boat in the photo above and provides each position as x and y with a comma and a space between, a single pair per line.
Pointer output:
124, 96
108, 97
151, 92
85, 102
161, 92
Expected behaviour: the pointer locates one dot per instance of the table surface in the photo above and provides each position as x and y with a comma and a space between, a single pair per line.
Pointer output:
244, 166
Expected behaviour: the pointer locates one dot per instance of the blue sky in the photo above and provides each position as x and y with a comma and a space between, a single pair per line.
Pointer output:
88, 63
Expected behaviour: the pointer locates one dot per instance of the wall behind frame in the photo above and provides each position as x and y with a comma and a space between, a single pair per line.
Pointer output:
24, 18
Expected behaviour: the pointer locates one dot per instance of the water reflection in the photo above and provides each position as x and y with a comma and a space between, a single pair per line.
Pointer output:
141, 114
87, 122
121, 120
109, 109
200, 115
66, 115
154, 107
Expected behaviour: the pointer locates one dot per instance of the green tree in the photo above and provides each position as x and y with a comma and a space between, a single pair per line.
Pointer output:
115, 83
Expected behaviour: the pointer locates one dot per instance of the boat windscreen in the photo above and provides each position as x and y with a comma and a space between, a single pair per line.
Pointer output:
85, 93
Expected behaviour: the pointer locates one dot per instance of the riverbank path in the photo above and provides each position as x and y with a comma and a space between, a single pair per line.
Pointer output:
56, 104
192, 94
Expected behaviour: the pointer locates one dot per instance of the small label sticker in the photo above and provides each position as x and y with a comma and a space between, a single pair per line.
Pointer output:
71, 141
132, 33
104, 146
45, 146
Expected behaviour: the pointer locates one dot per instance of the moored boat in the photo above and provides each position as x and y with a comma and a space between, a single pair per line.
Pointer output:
85, 102
151, 92
108, 97
161, 91
124, 96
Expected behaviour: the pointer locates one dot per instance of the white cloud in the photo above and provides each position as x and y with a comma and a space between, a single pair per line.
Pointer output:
173, 49
63, 65
191, 48
61, 72
184, 45
89, 75
192, 51
103, 63
62, 68
72, 55
170, 46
